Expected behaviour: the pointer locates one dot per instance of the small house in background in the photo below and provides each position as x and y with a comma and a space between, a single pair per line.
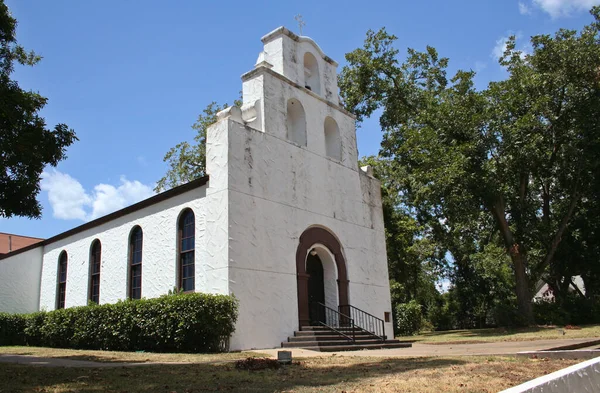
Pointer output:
543, 291
285, 219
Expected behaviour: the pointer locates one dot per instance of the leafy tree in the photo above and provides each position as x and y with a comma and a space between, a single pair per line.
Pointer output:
26, 145
187, 161
522, 151
578, 254
414, 261
482, 287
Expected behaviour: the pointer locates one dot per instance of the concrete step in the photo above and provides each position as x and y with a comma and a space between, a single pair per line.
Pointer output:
357, 347
332, 343
324, 328
328, 337
311, 333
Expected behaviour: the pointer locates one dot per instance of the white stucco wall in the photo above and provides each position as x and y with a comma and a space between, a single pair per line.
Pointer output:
20, 281
581, 378
216, 253
277, 189
159, 260
269, 210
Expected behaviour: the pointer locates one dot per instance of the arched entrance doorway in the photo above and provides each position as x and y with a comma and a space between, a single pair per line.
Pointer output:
316, 286
316, 249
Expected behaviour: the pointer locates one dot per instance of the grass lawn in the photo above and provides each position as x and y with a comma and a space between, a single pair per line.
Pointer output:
324, 374
135, 357
503, 334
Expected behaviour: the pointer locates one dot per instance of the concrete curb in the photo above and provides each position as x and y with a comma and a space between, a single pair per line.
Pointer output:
581, 378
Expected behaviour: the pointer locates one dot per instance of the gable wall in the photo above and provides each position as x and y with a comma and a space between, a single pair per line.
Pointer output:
277, 190
20, 287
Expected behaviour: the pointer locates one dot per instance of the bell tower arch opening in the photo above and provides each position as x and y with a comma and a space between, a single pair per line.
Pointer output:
296, 122
312, 80
333, 143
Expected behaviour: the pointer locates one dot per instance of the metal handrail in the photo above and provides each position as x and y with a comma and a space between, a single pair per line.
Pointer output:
364, 320
333, 320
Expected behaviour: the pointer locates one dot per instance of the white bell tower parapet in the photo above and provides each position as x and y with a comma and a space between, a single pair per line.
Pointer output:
293, 93
302, 61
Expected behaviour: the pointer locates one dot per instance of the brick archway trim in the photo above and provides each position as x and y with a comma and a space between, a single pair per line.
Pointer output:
308, 239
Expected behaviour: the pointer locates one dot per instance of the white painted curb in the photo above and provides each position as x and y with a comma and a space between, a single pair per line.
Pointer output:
579, 378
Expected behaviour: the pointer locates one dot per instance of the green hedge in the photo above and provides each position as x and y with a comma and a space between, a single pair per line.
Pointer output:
572, 309
409, 318
172, 323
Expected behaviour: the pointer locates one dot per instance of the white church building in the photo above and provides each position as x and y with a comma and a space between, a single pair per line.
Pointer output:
284, 219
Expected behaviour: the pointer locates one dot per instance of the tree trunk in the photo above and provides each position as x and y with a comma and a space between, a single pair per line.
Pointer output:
519, 260
522, 287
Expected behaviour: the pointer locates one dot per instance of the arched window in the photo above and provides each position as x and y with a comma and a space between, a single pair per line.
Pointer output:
296, 122
186, 238
135, 263
94, 284
61, 291
311, 73
333, 143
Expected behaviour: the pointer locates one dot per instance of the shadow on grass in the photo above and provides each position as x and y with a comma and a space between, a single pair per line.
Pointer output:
486, 333
127, 357
313, 373
85, 358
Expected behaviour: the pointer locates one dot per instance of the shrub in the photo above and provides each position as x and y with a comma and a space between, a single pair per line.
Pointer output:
547, 312
571, 309
442, 317
174, 323
506, 314
409, 318
11, 329
33, 328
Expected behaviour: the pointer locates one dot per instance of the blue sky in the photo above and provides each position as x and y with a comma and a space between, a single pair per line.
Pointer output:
131, 77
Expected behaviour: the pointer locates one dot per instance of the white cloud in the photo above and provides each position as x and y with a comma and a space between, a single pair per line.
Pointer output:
558, 8
524, 9
66, 195
500, 48
70, 201
480, 66
501, 44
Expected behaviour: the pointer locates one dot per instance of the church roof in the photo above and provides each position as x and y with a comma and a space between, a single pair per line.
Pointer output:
119, 213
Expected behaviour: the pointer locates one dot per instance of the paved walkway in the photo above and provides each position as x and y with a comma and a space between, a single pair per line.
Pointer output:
58, 362
417, 350
65, 362
420, 350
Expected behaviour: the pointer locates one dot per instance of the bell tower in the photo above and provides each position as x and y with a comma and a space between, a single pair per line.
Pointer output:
284, 182
293, 94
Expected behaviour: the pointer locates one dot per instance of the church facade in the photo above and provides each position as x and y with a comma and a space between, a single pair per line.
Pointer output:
283, 219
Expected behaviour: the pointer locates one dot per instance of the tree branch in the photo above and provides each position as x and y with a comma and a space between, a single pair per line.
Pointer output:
560, 232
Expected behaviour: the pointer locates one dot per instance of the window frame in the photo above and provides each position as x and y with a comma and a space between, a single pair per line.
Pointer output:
94, 276
181, 253
134, 267
61, 283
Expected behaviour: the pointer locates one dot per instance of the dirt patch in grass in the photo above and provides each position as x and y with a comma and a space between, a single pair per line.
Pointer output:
475, 336
132, 357
326, 374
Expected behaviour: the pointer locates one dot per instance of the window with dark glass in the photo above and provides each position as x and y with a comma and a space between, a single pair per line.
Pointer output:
62, 280
135, 263
95, 255
187, 232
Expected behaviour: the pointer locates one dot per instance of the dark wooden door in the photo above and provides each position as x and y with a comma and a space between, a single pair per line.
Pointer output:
316, 288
